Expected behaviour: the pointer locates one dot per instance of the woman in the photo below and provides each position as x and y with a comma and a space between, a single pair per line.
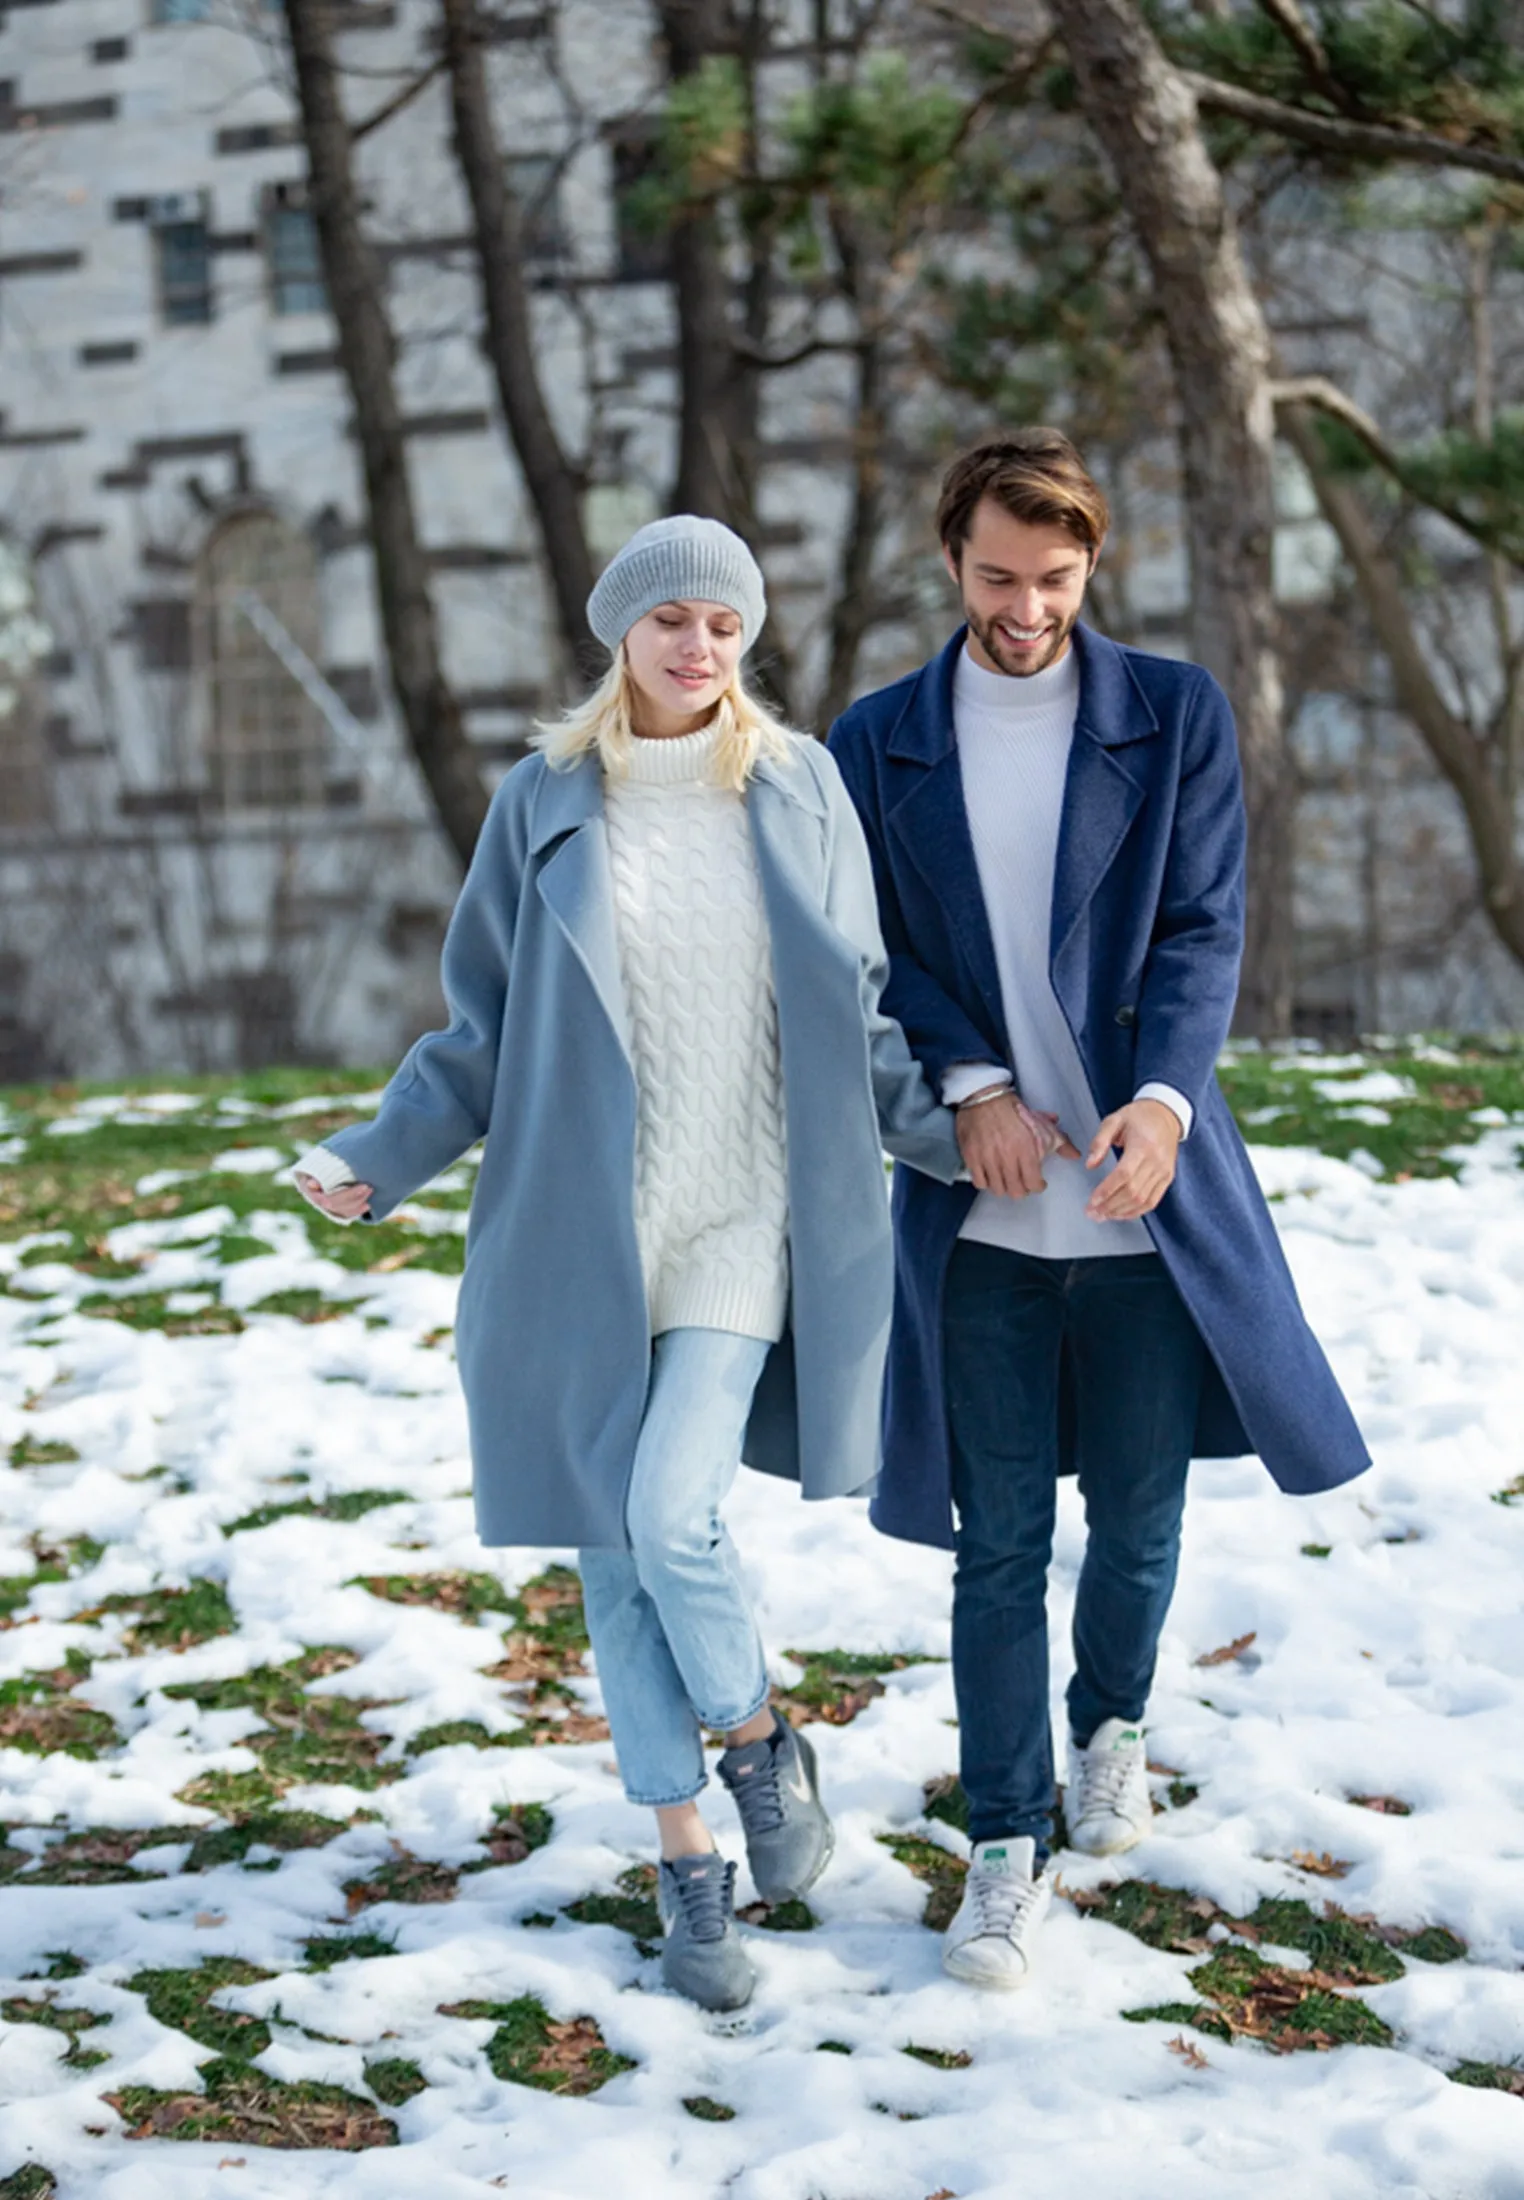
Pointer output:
663, 977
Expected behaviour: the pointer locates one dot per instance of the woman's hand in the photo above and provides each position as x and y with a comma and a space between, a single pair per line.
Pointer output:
347, 1204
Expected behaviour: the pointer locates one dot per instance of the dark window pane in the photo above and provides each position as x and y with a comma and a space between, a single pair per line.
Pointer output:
645, 237
185, 272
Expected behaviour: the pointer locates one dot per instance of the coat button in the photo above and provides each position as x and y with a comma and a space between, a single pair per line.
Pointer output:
1126, 1016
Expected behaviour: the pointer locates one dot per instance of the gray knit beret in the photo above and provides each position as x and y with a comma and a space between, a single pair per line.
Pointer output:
677, 560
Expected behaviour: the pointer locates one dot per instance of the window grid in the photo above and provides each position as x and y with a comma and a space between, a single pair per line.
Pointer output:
185, 273
296, 268
266, 741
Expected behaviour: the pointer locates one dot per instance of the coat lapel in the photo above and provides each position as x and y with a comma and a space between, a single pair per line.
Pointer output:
930, 823
576, 882
1106, 784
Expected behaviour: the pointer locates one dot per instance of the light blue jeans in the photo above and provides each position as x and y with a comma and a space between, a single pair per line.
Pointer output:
669, 1619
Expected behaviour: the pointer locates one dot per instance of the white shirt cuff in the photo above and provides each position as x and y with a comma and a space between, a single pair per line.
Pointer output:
969, 1077
1172, 1099
331, 1171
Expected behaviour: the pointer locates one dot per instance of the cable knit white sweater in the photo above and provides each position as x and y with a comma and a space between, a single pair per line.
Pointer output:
711, 1194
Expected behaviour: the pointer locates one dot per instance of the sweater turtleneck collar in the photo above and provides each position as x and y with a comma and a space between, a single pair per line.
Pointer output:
1013, 695
674, 762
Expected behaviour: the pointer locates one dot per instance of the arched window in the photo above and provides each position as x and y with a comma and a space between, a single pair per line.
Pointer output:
265, 739
25, 793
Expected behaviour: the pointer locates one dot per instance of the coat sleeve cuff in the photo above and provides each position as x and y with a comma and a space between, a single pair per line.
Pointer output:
1176, 1101
968, 1077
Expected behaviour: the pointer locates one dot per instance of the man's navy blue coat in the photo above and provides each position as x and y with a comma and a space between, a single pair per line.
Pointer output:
1147, 935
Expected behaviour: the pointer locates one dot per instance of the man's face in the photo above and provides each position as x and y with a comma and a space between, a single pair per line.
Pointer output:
1022, 588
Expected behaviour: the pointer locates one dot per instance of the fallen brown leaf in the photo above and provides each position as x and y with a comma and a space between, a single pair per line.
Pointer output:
1321, 1864
1190, 2054
1229, 1650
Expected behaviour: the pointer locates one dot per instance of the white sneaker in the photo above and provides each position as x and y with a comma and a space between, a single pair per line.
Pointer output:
989, 1942
1106, 1804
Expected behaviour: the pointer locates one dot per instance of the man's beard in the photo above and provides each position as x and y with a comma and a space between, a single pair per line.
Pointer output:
987, 633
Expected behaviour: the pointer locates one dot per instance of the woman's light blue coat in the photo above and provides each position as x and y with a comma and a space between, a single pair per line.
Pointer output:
552, 1337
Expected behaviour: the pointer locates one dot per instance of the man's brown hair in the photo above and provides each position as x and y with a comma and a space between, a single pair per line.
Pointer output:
1036, 475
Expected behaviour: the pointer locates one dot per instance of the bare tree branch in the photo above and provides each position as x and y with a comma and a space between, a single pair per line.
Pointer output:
396, 103
1346, 139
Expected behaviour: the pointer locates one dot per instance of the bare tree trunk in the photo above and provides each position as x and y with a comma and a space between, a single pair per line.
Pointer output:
552, 480
430, 711
712, 429
1463, 759
851, 613
1144, 116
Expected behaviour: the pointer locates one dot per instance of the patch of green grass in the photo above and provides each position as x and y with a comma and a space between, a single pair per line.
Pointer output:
451, 1733
837, 1684
242, 2107
20, 2009
1181, 1793
171, 1619
394, 2080
708, 2111
946, 1801
39, 1714
102, 1856
286, 1830
239, 1245
941, 2058
632, 1910
322, 1953
1161, 1917
1200, 2015
1316, 1550
780, 1917
1511, 1494
943, 1875
1438, 1116
1335, 1943
832, 2047
309, 1738
530, 2048
305, 1306
55, 1562
31, 2182
61, 1964
1496, 2077
408, 1878
34, 1451
345, 1505
467, 1595
151, 1310
1431, 1944
183, 2000
549, 1607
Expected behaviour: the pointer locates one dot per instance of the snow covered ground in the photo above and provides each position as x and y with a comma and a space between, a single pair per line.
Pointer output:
1372, 1646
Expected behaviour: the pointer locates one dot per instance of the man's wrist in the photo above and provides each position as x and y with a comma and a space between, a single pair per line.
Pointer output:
1168, 1096
967, 1078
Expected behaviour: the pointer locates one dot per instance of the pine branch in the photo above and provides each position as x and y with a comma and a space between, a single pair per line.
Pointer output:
1293, 25
1348, 140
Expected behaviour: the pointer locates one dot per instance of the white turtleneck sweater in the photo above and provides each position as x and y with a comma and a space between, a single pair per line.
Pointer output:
1013, 739
711, 1194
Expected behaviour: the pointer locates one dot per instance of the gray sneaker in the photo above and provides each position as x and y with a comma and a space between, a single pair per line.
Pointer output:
702, 1955
789, 1838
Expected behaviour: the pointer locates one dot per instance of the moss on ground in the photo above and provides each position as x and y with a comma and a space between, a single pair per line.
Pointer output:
631, 1910
170, 1619
346, 1505
72, 2023
393, 2079
40, 1714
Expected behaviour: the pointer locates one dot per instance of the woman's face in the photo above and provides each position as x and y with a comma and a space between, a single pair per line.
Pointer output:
681, 657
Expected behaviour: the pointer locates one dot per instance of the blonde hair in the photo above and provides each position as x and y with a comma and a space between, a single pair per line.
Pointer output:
605, 722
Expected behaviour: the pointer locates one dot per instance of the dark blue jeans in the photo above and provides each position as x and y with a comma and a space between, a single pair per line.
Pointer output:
1134, 1362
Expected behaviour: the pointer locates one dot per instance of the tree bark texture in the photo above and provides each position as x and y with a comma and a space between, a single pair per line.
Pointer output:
717, 424
551, 479
1144, 116
430, 711
1463, 759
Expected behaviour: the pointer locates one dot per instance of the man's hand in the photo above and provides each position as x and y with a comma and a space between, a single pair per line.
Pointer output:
1148, 1135
347, 1204
1004, 1145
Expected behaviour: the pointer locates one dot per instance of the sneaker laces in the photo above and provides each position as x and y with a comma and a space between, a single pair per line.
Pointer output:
1001, 1900
1104, 1781
706, 1897
756, 1791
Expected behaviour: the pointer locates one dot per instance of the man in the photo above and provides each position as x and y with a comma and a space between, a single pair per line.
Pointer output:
1057, 832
